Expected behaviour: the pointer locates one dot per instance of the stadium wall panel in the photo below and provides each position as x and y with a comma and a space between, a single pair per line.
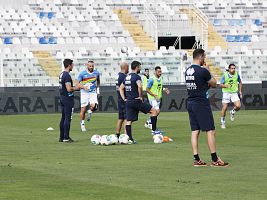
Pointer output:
33, 100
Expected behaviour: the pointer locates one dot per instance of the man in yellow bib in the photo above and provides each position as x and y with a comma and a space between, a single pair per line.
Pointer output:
154, 93
231, 85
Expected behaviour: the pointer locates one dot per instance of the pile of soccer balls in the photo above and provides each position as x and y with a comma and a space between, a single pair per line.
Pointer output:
123, 139
109, 139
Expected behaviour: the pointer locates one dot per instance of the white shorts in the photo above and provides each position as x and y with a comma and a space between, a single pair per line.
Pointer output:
88, 98
154, 103
230, 97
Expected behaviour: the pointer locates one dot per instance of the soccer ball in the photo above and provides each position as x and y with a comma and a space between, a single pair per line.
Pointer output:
123, 139
158, 139
124, 49
113, 139
95, 139
104, 140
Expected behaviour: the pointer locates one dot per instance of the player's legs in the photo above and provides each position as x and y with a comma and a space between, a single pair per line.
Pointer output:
131, 116
194, 141
128, 129
237, 105
68, 110
215, 160
82, 117
120, 122
147, 108
121, 117
61, 125
84, 99
93, 105
226, 98
211, 141
195, 128
155, 104
223, 113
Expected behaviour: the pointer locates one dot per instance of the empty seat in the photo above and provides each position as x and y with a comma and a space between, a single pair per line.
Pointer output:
163, 49
217, 22
95, 40
52, 40
86, 40
60, 55
50, 15
230, 38
69, 54
16, 40
60, 40
42, 40
78, 40
247, 38
8, 40
34, 41
42, 14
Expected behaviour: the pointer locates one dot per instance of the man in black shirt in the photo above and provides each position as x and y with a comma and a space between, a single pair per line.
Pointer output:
121, 103
66, 90
131, 92
198, 80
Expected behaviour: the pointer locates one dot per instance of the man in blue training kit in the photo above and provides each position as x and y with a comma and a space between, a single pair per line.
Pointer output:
66, 90
121, 103
132, 85
198, 80
88, 82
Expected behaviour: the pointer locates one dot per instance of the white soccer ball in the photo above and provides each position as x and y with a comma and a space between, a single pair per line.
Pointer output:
158, 139
95, 139
123, 139
124, 49
104, 140
113, 139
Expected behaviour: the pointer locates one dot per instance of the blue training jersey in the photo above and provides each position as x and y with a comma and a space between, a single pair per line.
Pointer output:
131, 87
65, 78
120, 78
88, 79
196, 79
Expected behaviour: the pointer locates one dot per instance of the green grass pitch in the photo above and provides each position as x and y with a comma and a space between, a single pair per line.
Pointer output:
34, 165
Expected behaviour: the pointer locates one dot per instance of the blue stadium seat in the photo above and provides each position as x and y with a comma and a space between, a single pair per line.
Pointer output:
230, 38
42, 40
238, 38
217, 22
41, 15
8, 40
258, 22
241, 22
231, 22
247, 38
50, 15
52, 40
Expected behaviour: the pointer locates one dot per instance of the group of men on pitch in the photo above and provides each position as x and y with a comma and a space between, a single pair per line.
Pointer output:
130, 90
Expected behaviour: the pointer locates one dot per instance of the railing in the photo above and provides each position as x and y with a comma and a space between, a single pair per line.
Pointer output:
151, 25
178, 41
14, 73
200, 23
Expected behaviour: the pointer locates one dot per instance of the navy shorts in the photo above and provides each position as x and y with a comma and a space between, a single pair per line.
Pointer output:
200, 116
122, 109
133, 107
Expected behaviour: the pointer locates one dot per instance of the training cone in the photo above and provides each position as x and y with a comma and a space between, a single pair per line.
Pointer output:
167, 139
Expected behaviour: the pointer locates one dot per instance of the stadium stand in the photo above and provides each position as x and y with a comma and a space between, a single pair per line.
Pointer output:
38, 35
